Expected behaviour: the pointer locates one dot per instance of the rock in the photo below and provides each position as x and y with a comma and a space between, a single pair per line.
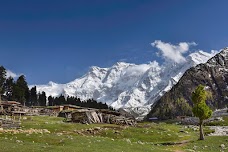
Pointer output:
97, 128
89, 130
1, 130
19, 141
222, 146
128, 140
59, 134
194, 147
46, 131
141, 143
116, 132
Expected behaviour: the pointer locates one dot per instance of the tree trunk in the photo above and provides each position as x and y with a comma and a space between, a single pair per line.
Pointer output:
201, 130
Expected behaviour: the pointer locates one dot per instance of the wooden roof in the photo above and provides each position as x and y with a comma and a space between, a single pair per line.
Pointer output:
10, 103
62, 106
73, 106
18, 112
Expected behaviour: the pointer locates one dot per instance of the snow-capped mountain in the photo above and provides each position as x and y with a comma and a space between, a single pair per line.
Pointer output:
129, 86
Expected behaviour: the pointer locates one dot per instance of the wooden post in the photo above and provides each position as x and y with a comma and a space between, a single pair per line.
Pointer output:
20, 117
12, 117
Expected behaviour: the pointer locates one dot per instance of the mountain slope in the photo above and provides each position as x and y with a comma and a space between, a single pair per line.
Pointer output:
132, 87
213, 74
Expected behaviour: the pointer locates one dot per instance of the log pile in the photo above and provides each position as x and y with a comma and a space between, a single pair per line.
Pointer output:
100, 116
86, 116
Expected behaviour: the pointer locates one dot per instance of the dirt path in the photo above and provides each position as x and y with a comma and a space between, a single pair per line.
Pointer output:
177, 145
181, 144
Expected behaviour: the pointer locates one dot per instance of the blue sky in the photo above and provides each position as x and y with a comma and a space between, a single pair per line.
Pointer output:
59, 40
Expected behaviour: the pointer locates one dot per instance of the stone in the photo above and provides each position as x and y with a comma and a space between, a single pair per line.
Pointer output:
97, 128
222, 146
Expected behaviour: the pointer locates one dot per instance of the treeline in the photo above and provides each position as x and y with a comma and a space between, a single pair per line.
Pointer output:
18, 90
13, 90
90, 103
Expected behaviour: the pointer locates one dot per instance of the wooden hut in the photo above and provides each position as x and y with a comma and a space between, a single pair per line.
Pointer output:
6, 107
56, 108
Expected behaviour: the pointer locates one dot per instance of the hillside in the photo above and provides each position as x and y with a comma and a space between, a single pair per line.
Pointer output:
213, 74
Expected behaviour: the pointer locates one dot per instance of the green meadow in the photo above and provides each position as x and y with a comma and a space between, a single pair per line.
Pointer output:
60, 136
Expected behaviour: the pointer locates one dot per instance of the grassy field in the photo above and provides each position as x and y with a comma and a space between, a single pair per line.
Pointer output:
72, 137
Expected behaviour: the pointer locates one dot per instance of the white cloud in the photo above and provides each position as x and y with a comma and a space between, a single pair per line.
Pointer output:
214, 52
135, 70
11, 74
140, 69
173, 52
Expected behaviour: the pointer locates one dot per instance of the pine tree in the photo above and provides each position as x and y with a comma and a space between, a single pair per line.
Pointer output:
200, 109
8, 87
42, 99
21, 90
61, 100
2, 80
50, 101
33, 96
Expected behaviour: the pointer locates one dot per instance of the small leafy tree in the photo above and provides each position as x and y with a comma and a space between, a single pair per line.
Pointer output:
200, 108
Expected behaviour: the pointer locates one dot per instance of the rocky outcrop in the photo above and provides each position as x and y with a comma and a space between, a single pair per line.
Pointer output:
213, 74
